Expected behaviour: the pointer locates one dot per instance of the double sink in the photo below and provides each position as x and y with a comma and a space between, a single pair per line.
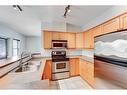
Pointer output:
29, 66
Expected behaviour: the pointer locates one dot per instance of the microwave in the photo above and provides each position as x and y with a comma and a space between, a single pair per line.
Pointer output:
59, 44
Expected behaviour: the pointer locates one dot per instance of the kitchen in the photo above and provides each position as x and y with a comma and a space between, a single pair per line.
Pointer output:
59, 51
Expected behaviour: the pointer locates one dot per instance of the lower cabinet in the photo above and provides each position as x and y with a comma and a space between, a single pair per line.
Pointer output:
74, 66
86, 70
47, 70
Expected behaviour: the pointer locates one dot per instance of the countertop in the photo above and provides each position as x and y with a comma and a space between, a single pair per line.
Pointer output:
23, 77
42, 84
8, 61
28, 78
86, 58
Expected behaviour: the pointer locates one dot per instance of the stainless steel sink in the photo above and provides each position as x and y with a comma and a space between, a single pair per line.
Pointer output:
28, 67
23, 68
19, 70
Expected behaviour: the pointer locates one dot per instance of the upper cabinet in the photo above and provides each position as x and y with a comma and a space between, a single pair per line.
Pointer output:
53, 35
79, 40
59, 36
88, 39
47, 39
71, 38
123, 21
111, 26
97, 31
115, 24
63, 36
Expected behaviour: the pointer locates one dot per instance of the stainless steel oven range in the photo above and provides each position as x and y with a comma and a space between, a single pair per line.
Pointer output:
60, 65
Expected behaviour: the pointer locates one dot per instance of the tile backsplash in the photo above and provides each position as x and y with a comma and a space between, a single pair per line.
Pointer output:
74, 52
89, 53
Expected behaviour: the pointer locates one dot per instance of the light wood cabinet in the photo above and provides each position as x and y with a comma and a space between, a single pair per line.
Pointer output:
59, 36
63, 36
47, 39
123, 21
74, 66
90, 73
88, 39
47, 70
97, 31
55, 35
111, 26
79, 40
86, 70
71, 38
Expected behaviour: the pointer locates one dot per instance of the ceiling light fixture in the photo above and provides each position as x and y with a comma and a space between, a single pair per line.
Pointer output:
67, 10
17, 7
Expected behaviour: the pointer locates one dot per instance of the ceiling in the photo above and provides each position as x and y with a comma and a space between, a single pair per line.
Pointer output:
29, 21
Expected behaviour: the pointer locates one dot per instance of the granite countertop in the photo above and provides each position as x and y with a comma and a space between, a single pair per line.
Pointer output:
24, 80
86, 58
8, 61
42, 84
23, 77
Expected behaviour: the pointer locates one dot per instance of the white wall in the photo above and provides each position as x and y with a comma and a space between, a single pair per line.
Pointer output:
61, 26
33, 44
54, 26
11, 34
73, 28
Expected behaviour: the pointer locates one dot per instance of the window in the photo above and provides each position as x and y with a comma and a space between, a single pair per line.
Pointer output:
3, 48
16, 47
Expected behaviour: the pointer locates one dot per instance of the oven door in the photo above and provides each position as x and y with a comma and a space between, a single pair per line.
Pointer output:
62, 66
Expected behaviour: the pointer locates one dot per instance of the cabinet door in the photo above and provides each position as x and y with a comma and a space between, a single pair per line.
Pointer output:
55, 35
87, 71
79, 41
71, 40
82, 68
90, 73
111, 26
47, 70
47, 39
74, 66
88, 39
63, 36
97, 31
123, 21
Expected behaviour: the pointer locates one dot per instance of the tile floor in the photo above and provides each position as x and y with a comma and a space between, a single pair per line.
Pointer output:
73, 83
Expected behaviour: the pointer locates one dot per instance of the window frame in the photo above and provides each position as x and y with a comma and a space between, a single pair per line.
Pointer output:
18, 48
5, 48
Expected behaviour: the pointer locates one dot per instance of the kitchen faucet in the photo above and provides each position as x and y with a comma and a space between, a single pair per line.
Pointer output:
20, 63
